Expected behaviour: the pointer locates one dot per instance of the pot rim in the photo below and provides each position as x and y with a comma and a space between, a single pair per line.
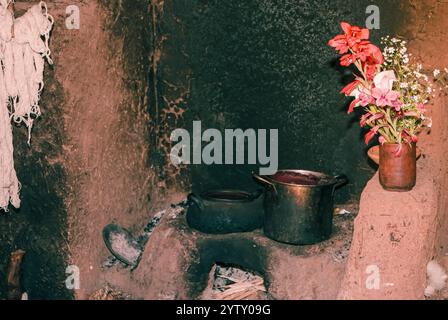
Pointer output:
332, 180
394, 144
206, 195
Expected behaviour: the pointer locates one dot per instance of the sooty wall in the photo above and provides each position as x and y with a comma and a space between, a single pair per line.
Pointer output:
265, 64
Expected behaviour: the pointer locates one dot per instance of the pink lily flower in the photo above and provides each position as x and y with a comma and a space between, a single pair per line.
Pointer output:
385, 80
385, 97
365, 99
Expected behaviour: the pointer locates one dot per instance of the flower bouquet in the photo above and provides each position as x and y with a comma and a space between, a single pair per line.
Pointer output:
393, 93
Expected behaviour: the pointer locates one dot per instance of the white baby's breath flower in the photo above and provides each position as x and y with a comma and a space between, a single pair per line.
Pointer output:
436, 72
404, 85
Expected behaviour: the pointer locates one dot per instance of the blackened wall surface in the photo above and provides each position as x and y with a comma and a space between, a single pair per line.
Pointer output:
87, 162
266, 64
39, 226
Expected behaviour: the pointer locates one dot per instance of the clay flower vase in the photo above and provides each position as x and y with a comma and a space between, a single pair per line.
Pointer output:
374, 154
398, 172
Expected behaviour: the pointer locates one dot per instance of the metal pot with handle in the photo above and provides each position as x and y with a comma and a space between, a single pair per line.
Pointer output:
299, 205
226, 211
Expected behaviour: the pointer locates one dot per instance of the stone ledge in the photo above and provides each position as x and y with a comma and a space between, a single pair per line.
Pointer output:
394, 232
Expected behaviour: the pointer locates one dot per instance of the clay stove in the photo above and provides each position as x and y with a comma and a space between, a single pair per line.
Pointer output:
177, 262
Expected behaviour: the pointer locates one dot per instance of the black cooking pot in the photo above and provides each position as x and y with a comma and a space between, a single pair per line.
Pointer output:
299, 205
225, 211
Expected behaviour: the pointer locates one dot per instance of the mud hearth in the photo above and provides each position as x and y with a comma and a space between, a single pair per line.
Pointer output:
177, 263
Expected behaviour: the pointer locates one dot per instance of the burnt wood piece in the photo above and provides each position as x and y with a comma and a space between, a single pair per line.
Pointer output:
13, 276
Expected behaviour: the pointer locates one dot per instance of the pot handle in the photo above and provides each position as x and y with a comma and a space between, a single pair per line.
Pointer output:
192, 198
266, 183
341, 180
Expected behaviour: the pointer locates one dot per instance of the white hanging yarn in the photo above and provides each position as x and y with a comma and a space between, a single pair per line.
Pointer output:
23, 48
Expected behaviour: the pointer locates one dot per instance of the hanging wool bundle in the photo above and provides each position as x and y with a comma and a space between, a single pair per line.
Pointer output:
23, 48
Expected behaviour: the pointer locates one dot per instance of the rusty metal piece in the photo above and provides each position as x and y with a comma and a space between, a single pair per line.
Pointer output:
398, 170
13, 276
